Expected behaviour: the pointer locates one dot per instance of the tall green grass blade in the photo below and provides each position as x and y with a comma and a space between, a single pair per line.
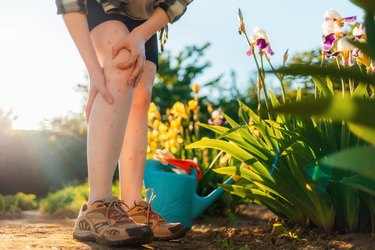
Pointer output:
299, 95
361, 91
323, 86
350, 207
330, 84
275, 103
251, 113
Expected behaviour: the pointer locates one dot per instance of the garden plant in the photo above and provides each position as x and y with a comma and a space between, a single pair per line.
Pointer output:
309, 160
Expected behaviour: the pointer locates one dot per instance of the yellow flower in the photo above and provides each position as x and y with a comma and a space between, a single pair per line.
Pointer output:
163, 127
156, 124
155, 132
192, 104
178, 110
153, 112
179, 139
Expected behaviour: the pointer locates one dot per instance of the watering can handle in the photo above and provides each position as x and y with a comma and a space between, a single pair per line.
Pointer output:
186, 165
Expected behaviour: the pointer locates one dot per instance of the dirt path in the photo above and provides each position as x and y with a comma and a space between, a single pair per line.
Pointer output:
248, 231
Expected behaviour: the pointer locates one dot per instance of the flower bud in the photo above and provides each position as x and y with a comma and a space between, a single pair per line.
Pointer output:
195, 88
285, 56
241, 28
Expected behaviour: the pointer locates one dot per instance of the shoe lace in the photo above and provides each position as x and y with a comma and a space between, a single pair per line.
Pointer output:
116, 211
150, 212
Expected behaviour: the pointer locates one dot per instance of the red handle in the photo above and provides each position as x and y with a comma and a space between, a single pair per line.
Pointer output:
185, 165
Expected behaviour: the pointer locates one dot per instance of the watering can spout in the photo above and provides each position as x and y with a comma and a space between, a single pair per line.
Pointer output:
200, 204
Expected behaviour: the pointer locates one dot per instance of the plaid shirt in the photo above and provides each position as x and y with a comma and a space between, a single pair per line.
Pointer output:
174, 8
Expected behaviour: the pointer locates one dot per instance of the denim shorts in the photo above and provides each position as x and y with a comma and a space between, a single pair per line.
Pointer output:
96, 16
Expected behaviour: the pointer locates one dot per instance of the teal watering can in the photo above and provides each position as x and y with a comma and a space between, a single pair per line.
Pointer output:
176, 198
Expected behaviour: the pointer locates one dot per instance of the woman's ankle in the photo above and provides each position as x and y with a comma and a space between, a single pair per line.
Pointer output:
92, 198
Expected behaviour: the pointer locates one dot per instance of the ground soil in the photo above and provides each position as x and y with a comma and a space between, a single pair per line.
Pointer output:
251, 230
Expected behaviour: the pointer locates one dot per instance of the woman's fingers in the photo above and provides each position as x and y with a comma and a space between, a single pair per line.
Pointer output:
105, 94
137, 72
130, 62
124, 44
92, 95
90, 101
135, 45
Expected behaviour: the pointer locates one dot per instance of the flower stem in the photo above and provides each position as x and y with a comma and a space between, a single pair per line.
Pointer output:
260, 74
281, 81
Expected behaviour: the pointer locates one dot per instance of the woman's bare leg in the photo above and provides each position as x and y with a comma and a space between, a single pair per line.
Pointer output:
133, 154
108, 122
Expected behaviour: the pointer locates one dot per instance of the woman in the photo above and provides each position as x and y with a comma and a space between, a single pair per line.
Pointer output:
118, 44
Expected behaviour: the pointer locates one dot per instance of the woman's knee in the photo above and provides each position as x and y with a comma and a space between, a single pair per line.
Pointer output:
113, 74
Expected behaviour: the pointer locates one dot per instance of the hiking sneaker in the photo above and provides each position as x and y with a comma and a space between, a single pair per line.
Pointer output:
107, 223
143, 213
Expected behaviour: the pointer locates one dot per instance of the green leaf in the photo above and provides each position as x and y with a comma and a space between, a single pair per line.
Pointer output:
361, 90
243, 172
251, 113
235, 151
330, 84
332, 71
300, 148
275, 102
322, 86
360, 160
356, 110
236, 190
364, 132
361, 183
246, 141
370, 32
230, 148
365, 4
230, 135
299, 95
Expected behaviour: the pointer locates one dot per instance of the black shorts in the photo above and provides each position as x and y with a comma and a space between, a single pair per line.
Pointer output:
96, 16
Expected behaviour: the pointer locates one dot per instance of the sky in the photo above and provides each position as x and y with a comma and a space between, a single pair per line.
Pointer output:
40, 65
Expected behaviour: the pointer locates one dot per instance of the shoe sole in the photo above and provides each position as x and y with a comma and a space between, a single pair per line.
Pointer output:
176, 235
146, 238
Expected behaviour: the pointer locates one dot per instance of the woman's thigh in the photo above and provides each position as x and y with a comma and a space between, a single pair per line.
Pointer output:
104, 36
